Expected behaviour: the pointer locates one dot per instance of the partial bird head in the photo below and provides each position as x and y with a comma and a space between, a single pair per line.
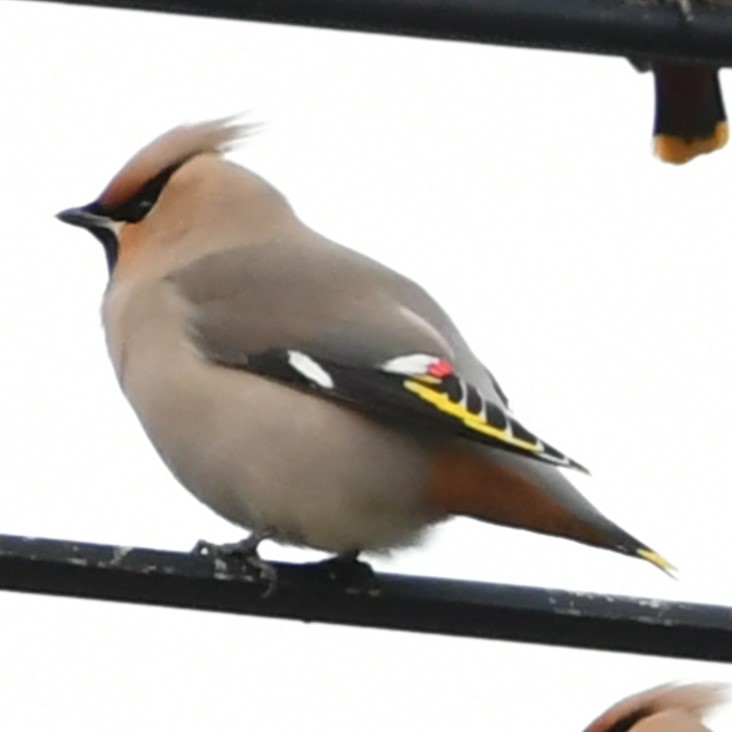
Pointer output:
136, 190
667, 708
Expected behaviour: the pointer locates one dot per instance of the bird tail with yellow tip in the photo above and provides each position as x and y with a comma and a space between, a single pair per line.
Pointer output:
690, 117
657, 561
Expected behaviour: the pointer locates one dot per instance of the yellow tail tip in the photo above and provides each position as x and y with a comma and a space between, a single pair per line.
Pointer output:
658, 561
673, 149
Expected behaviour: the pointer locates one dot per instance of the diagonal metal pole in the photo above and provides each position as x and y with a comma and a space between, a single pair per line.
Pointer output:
430, 605
651, 28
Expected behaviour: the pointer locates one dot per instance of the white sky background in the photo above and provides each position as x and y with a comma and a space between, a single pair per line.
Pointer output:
518, 187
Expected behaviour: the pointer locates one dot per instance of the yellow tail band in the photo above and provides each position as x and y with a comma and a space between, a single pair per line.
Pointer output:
657, 560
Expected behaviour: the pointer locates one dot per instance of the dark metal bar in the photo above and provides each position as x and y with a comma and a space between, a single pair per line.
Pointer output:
651, 28
309, 592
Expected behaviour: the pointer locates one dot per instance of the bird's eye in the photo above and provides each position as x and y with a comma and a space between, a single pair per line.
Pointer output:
145, 205
135, 209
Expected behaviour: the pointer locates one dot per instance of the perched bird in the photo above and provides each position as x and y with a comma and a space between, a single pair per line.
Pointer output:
299, 389
665, 708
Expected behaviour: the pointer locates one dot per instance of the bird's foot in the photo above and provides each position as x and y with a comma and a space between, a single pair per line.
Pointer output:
245, 558
348, 573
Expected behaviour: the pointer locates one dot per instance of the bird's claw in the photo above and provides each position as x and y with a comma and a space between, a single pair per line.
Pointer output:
244, 556
350, 574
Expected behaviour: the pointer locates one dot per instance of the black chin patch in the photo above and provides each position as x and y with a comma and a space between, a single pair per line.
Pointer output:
110, 244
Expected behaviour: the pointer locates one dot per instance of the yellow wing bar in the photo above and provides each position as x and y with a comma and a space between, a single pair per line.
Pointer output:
473, 421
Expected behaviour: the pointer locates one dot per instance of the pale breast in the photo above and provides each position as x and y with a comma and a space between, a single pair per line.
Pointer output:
261, 454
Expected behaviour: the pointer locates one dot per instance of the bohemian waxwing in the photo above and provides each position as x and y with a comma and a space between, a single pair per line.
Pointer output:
690, 119
665, 708
299, 389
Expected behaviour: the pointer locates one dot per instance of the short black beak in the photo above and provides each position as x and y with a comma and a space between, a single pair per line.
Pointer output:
100, 226
82, 217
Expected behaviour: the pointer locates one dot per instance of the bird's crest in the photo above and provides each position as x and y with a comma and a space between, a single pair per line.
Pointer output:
172, 149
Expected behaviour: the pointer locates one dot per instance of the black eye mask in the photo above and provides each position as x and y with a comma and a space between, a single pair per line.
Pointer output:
136, 208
